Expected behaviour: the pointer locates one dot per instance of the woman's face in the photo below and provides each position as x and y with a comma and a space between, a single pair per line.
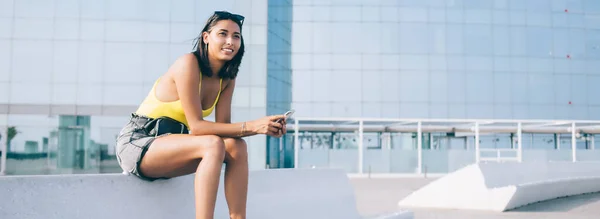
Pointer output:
224, 39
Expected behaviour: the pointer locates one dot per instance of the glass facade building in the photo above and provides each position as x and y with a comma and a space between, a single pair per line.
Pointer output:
488, 59
442, 59
72, 71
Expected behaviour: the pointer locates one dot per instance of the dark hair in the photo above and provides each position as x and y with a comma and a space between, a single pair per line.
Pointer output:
231, 67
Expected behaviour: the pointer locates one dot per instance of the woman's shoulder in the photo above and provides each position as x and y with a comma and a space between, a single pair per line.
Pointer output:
186, 63
186, 59
182, 69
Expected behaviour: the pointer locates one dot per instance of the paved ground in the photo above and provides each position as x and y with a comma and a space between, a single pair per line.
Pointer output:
376, 196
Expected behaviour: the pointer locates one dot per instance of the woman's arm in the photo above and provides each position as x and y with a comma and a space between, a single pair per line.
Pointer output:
187, 80
223, 108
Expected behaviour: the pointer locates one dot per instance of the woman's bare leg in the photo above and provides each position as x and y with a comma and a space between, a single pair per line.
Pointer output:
236, 176
178, 155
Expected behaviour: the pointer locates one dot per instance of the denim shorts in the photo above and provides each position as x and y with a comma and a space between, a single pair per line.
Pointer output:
132, 143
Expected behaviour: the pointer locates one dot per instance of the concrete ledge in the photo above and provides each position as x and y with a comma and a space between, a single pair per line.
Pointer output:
540, 191
504, 186
280, 193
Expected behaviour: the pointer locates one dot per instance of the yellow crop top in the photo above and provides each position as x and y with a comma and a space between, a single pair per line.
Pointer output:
154, 108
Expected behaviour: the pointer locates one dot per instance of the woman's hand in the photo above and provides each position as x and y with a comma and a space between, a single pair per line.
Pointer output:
269, 125
283, 130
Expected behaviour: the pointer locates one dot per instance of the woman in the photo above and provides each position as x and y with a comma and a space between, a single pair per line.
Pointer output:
168, 136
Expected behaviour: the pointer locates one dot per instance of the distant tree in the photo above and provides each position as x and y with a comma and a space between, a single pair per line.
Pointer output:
11, 133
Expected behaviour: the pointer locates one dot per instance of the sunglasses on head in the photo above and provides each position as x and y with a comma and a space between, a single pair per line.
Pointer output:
227, 15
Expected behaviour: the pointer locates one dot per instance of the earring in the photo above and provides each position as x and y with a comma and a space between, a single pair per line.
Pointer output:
206, 47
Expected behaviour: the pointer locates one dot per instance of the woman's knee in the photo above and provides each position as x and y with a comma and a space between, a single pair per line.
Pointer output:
236, 148
212, 147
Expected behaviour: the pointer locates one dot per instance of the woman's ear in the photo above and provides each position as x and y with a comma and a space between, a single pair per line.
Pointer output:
205, 37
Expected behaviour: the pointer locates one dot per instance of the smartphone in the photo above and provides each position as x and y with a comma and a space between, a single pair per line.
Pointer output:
288, 114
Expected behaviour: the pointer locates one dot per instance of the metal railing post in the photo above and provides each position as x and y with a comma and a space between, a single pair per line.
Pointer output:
360, 146
477, 155
573, 142
419, 148
4, 132
296, 143
519, 142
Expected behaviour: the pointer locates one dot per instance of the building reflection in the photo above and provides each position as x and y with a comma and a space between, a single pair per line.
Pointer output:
67, 145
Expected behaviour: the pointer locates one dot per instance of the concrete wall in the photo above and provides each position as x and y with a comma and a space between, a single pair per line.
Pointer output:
294, 194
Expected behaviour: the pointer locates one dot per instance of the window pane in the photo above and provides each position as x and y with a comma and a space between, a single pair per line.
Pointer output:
593, 44
517, 5
454, 34
519, 89
346, 34
538, 5
500, 17
560, 42
502, 64
455, 3
437, 39
389, 41
501, 36
480, 111
478, 39
593, 88
479, 63
539, 65
558, 5
576, 20
414, 86
559, 20
592, 6
413, 38
562, 89
541, 89
456, 86
455, 62
500, 4
412, 3
575, 5
539, 19
518, 64
480, 87
478, 4
437, 62
502, 82
539, 41
518, 40
412, 14
478, 16
439, 86
437, 15
579, 89
414, 62
518, 17
455, 15
577, 43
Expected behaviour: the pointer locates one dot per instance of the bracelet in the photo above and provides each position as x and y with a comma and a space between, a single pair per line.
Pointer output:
243, 129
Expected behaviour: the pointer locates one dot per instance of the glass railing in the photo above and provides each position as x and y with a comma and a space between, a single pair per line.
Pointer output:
405, 161
65, 144
68, 144
389, 149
